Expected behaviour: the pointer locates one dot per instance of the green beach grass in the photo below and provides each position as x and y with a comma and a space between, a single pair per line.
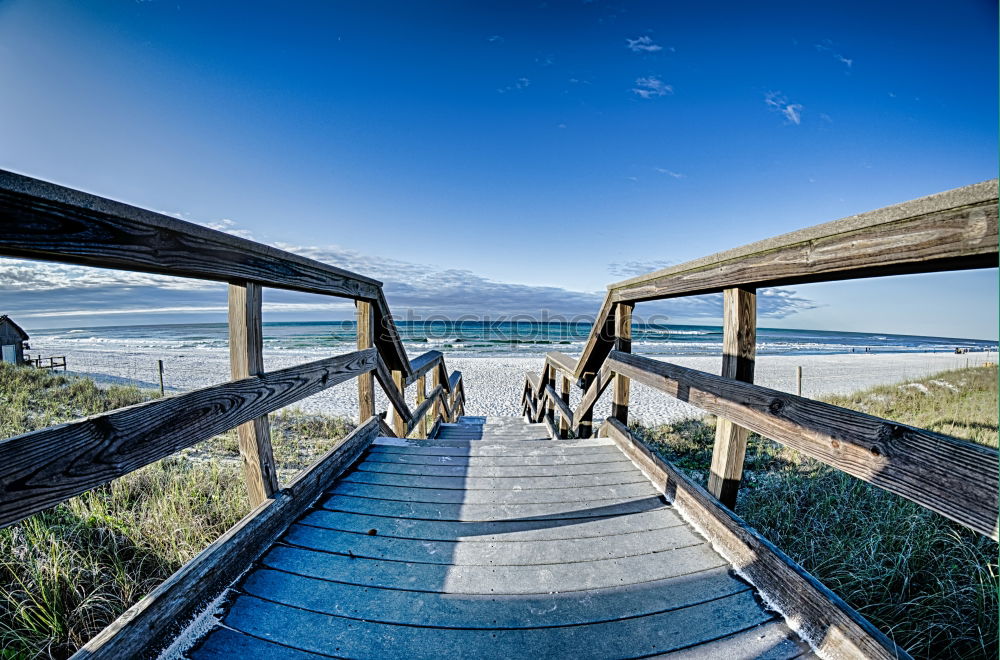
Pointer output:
68, 572
929, 583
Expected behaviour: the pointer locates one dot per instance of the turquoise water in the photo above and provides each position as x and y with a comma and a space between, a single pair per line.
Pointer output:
520, 339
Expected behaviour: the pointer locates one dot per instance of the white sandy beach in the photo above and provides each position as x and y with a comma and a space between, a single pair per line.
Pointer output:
493, 384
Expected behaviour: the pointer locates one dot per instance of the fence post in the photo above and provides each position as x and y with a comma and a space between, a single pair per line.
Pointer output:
436, 381
246, 358
623, 343
366, 381
585, 428
398, 423
421, 397
159, 364
564, 395
550, 406
798, 381
739, 339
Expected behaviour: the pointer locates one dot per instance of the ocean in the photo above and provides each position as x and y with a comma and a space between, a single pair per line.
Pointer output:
499, 339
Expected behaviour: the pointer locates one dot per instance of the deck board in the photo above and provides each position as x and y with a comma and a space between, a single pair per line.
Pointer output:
493, 541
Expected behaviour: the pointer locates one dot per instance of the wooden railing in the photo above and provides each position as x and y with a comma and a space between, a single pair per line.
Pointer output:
47, 222
949, 231
54, 362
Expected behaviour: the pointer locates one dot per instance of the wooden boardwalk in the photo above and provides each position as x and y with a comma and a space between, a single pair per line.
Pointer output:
492, 540
502, 537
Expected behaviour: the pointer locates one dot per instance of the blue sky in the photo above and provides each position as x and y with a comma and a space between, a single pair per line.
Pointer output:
494, 158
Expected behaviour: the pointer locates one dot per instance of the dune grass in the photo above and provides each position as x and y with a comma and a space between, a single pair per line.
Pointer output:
929, 583
68, 572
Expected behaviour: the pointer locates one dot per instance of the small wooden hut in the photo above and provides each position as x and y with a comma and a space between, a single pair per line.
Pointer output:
12, 341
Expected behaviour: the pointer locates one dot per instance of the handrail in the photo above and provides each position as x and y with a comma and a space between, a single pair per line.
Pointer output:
953, 230
948, 231
48, 222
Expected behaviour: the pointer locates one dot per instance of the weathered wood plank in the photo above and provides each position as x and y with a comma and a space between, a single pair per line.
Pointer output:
420, 412
421, 364
437, 610
498, 532
584, 415
366, 340
439, 380
385, 380
421, 416
488, 580
952, 477
623, 344
739, 346
401, 420
45, 221
246, 358
387, 340
491, 512
550, 426
565, 412
810, 608
948, 231
154, 621
562, 362
45, 467
600, 341
430, 492
567, 419
471, 552
352, 638
384, 429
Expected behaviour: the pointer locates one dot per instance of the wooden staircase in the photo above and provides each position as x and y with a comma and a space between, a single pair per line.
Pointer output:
491, 540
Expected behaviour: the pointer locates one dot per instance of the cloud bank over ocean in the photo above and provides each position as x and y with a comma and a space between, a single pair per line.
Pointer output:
51, 295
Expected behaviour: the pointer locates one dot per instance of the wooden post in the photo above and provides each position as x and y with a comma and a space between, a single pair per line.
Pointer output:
398, 423
623, 343
421, 397
798, 381
435, 381
564, 395
739, 340
159, 364
246, 358
585, 429
550, 406
366, 381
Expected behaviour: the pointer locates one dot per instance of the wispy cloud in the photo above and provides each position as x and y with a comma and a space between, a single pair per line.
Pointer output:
772, 303
827, 46
777, 102
519, 84
495, 39
671, 173
633, 268
649, 87
643, 44
228, 226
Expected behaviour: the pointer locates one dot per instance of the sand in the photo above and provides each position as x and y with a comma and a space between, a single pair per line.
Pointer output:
493, 384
